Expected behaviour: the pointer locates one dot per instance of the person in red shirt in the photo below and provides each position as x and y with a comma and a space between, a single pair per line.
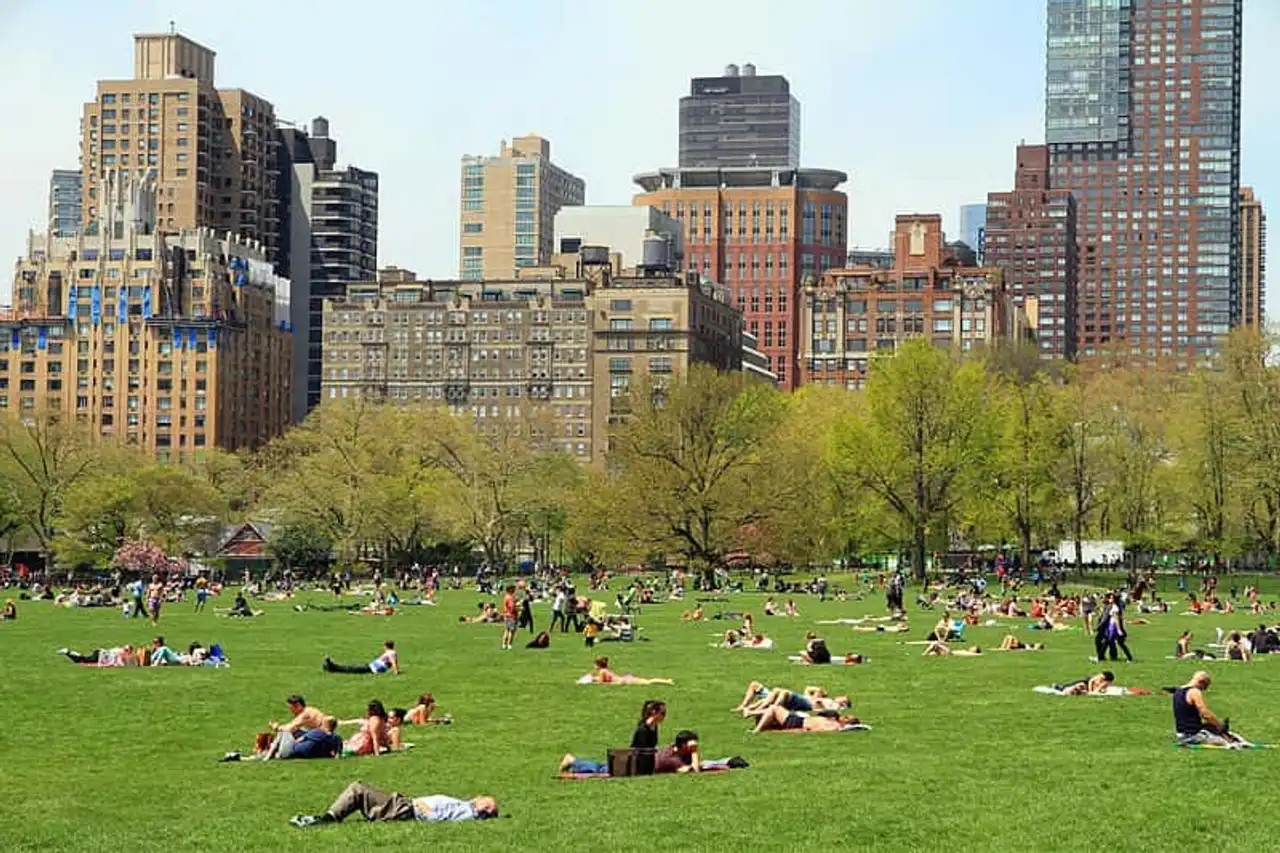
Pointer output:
509, 617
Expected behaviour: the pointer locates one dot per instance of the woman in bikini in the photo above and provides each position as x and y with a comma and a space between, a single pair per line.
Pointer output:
376, 734
603, 675
942, 650
1183, 649
420, 713
1236, 648
1010, 643
780, 719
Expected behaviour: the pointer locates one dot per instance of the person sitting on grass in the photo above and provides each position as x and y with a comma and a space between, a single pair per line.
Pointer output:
1237, 648
780, 719
1092, 685
1010, 643
942, 650
942, 632
116, 656
279, 741
1194, 724
815, 649
681, 757
791, 608
1183, 649
770, 607
603, 675
162, 655
10, 611
239, 609
388, 661
421, 712
488, 615
376, 805
376, 734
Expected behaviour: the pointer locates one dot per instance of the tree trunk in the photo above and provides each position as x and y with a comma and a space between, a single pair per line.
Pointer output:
918, 549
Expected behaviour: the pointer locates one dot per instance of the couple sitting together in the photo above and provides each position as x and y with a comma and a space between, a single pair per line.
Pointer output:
645, 758
780, 709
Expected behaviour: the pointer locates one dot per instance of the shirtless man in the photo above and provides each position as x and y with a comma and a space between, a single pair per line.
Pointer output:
1194, 724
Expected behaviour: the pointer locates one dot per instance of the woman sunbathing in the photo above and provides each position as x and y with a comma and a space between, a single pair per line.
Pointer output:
815, 649
1096, 684
1012, 644
603, 675
694, 615
937, 649
899, 628
116, 656
420, 713
488, 615
376, 734
780, 719
770, 607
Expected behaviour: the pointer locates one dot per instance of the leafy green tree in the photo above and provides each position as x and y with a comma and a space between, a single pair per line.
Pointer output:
922, 438
691, 462
299, 546
42, 459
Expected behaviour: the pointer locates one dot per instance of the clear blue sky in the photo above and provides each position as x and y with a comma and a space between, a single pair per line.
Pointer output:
920, 101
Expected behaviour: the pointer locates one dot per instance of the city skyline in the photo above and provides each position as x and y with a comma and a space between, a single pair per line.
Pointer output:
619, 120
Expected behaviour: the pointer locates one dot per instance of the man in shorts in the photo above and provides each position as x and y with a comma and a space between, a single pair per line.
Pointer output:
510, 617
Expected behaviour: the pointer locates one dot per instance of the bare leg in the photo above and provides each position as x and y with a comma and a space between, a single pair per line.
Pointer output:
772, 718
752, 689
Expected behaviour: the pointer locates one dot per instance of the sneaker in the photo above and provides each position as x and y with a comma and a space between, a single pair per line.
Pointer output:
304, 820
327, 666
62, 651
230, 756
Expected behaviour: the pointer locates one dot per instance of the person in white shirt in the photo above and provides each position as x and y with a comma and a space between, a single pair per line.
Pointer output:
376, 805
388, 661
557, 610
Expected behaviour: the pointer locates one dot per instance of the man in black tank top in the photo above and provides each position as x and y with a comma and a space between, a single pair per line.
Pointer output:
1194, 724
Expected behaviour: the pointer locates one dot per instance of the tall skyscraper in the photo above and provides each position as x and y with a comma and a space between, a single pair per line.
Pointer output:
761, 233
65, 210
973, 224
173, 342
1253, 260
329, 238
739, 120
509, 206
1143, 126
1031, 237
212, 151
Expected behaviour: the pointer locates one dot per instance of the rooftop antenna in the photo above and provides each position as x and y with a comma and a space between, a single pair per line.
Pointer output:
173, 28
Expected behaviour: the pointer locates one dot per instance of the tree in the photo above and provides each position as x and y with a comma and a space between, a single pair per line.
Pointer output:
1081, 466
299, 546
1032, 441
1209, 451
691, 462
42, 458
139, 556
922, 437
1254, 387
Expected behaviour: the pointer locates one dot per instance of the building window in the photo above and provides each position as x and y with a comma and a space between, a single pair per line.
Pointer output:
472, 227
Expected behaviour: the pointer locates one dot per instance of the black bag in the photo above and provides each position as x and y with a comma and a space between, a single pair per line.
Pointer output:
630, 762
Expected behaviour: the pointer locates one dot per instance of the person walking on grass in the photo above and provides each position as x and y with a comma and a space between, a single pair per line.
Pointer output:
155, 598
388, 661
202, 591
557, 610
1116, 634
510, 617
376, 805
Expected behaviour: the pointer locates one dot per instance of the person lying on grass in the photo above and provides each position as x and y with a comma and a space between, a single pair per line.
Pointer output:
1010, 643
694, 615
812, 699
603, 675
322, 742
682, 756
376, 805
388, 661
1094, 684
279, 742
115, 656
778, 718
1183, 649
421, 712
733, 639
1193, 723
937, 649
899, 628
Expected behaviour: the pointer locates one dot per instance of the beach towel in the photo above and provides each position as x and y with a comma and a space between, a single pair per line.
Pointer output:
835, 661
849, 727
577, 777
1110, 691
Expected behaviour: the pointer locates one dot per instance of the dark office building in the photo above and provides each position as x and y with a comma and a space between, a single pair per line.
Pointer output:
329, 235
740, 120
1143, 127
1030, 235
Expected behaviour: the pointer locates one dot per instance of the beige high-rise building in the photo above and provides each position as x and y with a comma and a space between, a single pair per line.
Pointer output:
1253, 260
212, 151
558, 347
509, 206
172, 342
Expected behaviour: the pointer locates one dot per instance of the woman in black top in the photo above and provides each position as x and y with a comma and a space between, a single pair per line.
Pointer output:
644, 742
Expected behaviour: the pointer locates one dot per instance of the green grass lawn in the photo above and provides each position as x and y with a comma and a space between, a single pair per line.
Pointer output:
963, 756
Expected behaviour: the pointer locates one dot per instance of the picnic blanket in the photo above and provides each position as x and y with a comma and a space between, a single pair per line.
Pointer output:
1220, 746
850, 727
835, 661
577, 777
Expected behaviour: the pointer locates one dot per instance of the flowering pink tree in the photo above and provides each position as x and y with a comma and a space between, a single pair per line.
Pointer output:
141, 556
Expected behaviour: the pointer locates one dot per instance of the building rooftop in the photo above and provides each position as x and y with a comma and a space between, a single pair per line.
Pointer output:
705, 177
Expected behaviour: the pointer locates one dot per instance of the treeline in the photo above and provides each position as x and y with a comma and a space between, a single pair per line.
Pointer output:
937, 452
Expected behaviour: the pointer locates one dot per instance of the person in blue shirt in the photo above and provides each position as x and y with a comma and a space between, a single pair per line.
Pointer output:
323, 742
376, 805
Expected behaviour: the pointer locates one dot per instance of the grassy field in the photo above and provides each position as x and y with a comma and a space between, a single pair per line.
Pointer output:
963, 754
